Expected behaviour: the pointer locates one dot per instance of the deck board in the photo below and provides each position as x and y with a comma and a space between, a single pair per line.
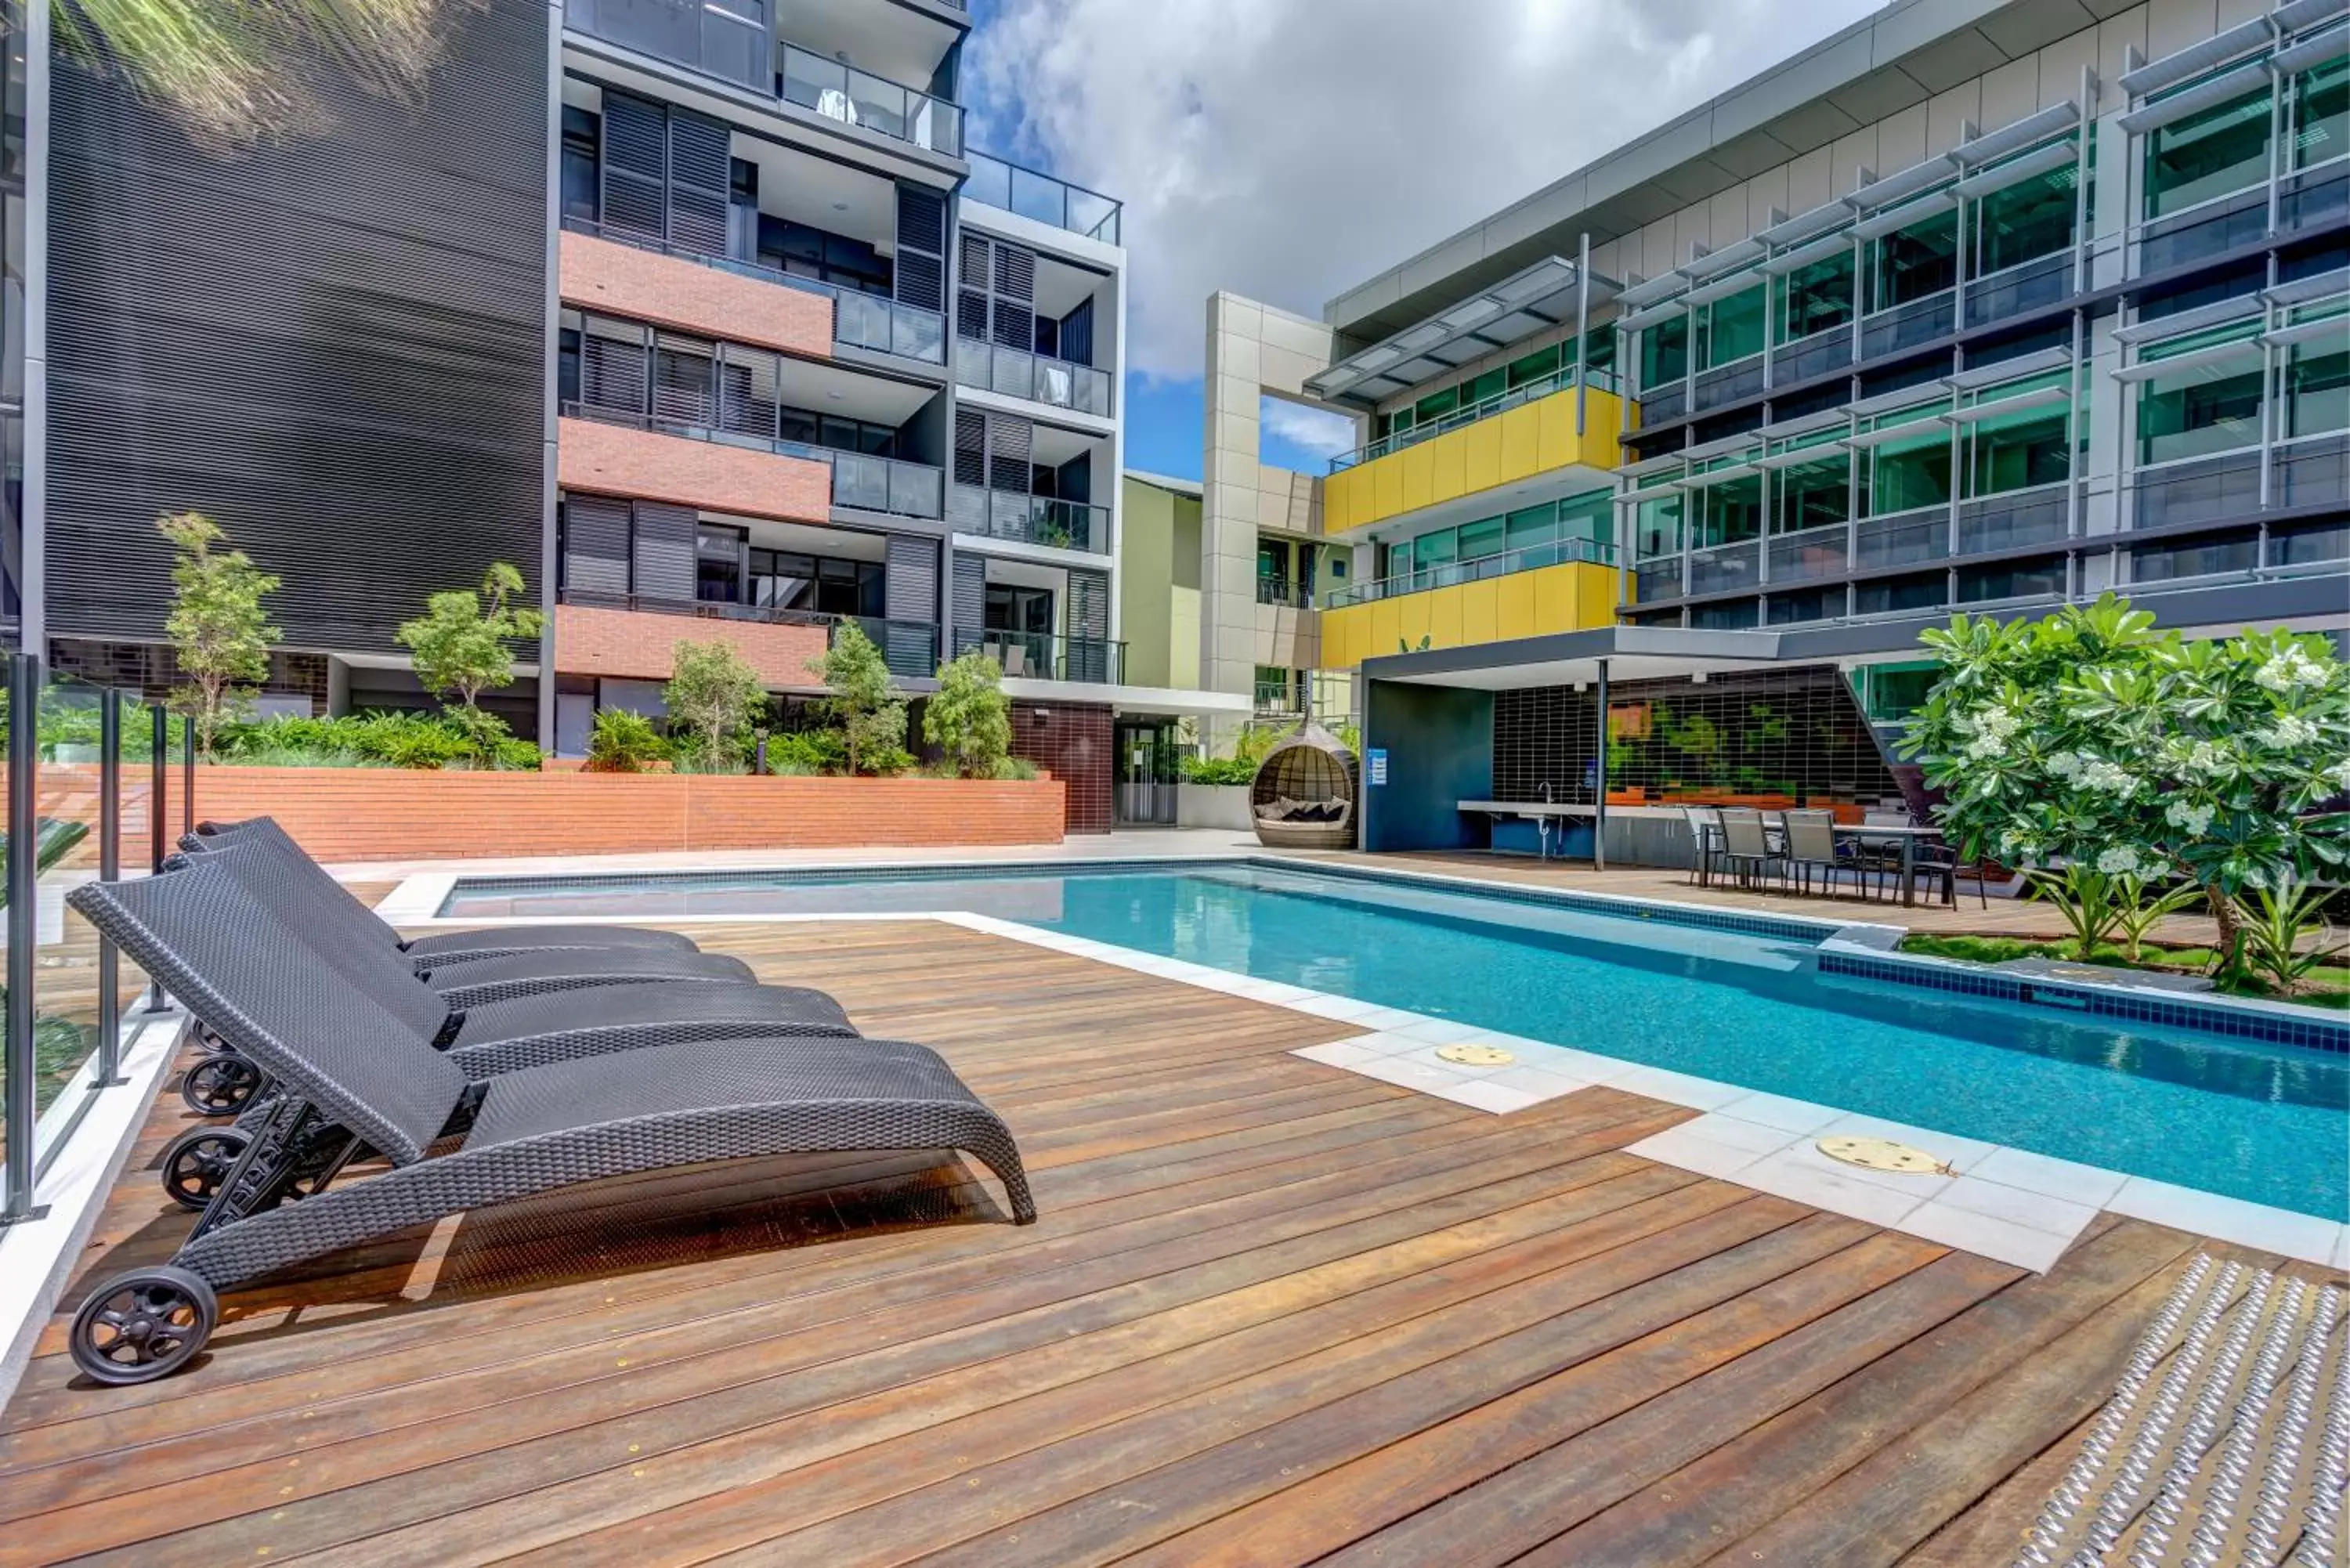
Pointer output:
1271, 1311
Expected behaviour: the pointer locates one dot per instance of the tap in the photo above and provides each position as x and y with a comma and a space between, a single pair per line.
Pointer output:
1546, 792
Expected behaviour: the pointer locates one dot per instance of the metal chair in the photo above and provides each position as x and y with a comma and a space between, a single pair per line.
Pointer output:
1705, 841
1745, 845
1812, 844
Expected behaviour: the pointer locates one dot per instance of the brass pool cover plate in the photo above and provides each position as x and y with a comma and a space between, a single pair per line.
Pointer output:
1472, 1055
1884, 1154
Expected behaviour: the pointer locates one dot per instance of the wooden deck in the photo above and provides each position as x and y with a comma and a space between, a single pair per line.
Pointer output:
1272, 1313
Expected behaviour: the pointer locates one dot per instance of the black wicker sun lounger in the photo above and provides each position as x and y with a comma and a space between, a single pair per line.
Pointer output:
326, 897
356, 1077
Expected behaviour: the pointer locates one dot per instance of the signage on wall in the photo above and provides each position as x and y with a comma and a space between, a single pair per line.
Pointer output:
1378, 757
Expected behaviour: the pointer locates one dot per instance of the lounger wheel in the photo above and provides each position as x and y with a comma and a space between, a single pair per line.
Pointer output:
220, 1086
197, 1161
144, 1325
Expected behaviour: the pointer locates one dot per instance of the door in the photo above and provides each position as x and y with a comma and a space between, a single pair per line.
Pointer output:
1147, 755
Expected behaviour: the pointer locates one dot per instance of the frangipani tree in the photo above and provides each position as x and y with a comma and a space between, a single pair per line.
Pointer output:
2089, 741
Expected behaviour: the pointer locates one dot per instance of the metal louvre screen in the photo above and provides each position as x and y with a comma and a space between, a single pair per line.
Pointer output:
970, 447
334, 344
664, 551
596, 544
635, 165
922, 268
1009, 442
699, 178
969, 593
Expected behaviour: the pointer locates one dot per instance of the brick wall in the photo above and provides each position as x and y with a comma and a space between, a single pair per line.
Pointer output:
620, 460
599, 275
390, 813
1072, 742
641, 644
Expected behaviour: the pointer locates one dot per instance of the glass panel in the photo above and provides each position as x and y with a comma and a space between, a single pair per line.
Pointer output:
1481, 538
2196, 557
1657, 527
2194, 412
2016, 451
1816, 297
1536, 365
1533, 526
2321, 117
1910, 473
65, 849
1729, 513
1492, 384
2026, 221
2012, 579
1591, 516
1732, 329
2210, 153
1915, 261
1812, 496
2317, 389
1664, 352
1435, 403
1433, 549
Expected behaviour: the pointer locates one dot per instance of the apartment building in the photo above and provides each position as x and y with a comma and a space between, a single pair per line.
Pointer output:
1973, 305
704, 315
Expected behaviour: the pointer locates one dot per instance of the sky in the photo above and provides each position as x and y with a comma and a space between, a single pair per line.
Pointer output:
1288, 150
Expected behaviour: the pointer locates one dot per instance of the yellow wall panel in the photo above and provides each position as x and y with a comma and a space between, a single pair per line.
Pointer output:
1386, 487
1481, 447
1521, 457
1444, 616
1412, 624
1339, 628
1513, 612
1338, 499
1382, 638
1446, 457
1555, 442
1599, 592
1417, 470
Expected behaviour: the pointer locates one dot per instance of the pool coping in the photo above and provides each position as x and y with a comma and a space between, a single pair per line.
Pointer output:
1762, 1142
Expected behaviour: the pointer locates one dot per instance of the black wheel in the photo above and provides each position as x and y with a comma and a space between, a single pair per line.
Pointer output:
197, 1161
145, 1324
220, 1086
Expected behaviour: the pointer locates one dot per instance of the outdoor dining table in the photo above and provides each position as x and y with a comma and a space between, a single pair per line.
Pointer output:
1908, 837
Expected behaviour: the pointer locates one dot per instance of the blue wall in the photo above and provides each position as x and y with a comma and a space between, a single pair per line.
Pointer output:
1440, 745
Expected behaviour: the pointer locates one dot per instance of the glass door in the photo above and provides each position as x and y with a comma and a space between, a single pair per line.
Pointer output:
1146, 753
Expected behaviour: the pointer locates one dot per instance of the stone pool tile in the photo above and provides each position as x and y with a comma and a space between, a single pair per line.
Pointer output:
2342, 1251
1948, 1147
1687, 1148
1677, 1088
1589, 1065
1539, 1081
1805, 1152
1410, 1075
1388, 1043
2302, 1236
1439, 1031
2014, 1206
1721, 1127
1986, 1235
1421, 1052
1779, 1111
1393, 1018
1484, 1094
1785, 1176
1338, 1053
2044, 1174
1344, 1009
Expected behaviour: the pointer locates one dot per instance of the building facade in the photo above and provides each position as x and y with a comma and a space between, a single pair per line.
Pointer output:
704, 317
1980, 307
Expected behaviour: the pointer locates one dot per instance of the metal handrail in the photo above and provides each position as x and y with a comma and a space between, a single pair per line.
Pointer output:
1449, 574
1499, 403
1038, 377
1031, 519
1278, 590
906, 489
838, 91
1011, 187
1047, 656
705, 609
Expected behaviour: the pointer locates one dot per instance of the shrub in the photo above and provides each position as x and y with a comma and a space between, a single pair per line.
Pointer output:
970, 717
1016, 768
375, 740
623, 742
807, 751
888, 762
1218, 771
863, 703
712, 696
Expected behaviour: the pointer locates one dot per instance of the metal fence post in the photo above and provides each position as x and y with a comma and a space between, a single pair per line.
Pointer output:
110, 869
159, 768
187, 775
24, 861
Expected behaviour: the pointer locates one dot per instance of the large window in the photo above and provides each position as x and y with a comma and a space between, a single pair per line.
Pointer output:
1915, 262
2028, 220
2317, 387
1729, 513
1657, 526
1731, 329
1811, 494
1815, 298
2209, 154
2321, 113
2202, 407
2018, 448
1664, 352
1912, 470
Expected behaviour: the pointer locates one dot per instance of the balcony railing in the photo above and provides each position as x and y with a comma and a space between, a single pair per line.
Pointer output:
841, 92
859, 320
1046, 656
1038, 377
1657, 579
1277, 699
909, 648
1530, 558
1030, 519
1902, 539
859, 479
1724, 568
2312, 471
2016, 519
1808, 556
1010, 188
1499, 403
1280, 591
685, 31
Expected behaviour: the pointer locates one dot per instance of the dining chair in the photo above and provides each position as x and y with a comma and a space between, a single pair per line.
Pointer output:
1705, 841
1812, 845
1745, 847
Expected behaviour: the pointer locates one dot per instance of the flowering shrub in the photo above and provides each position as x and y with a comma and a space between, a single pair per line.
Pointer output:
2087, 740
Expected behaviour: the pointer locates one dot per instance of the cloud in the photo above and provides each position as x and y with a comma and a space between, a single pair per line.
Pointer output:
1287, 150
1314, 431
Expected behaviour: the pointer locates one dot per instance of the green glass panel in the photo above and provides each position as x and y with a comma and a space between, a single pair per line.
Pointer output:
1492, 384
1591, 515
2026, 221
1910, 473
1533, 367
2188, 416
1433, 549
2321, 118
2317, 391
1482, 538
1657, 527
1816, 297
1916, 263
1731, 513
1533, 526
2016, 451
2210, 153
1436, 404
1599, 349
1733, 327
1664, 352
1811, 494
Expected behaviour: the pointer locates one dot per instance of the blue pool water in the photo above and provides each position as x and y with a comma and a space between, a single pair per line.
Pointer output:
2268, 1123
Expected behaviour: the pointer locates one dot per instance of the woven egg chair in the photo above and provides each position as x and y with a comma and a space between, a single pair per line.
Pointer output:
1305, 793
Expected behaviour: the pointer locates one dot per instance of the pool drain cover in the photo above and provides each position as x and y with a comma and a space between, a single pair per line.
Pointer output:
1476, 1055
1884, 1154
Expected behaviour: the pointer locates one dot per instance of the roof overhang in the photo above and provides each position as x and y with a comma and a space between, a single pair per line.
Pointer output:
1536, 299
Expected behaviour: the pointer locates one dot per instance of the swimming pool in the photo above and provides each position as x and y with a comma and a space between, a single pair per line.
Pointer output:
1742, 1001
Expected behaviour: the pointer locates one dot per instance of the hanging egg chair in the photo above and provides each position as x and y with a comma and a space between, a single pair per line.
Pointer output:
1305, 793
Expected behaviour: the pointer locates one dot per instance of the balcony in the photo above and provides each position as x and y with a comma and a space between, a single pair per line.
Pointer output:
1030, 519
1498, 441
889, 484
1283, 594
1902, 539
842, 93
2313, 471
2014, 521
1038, 377
1809, 555
647, 289
1653, 581
1568, 584
607, 634
1046, 656
1009, 188
604, 449
1726, 568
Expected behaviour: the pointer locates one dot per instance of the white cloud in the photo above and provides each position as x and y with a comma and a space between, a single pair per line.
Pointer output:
1289, 149
1314, 431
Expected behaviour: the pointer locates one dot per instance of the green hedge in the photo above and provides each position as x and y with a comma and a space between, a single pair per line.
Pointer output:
371, 740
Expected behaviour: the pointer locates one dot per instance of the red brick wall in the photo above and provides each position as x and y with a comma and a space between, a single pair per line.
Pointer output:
619, 459
391, 814
1072, 742
641, 644
599, 275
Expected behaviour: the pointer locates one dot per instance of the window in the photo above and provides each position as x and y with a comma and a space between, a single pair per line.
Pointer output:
1730, 514
1731, 329
1910, 470
2205, 556
1492, 384
828, 585
1014, 608
1664, 352
1657, 526
2317, 387
1811, 494
2321, 113
1804, 604
2198, 410
1533, 367
1273, 560
1815, 298
1435, 405
1892, 692
2209, 154
1590, 516
1886, 595
1482, 538
2300, 547
1430, 551
2012, 579
718, 564
2024, 221
1916, 263
581, 197
2017, 451
1532, 526
1738, 615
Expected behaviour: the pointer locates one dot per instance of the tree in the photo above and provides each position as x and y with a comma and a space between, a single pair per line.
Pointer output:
970, 717
233, 72
218, 628
2086, 739
863, 702
712, 694
459, 645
